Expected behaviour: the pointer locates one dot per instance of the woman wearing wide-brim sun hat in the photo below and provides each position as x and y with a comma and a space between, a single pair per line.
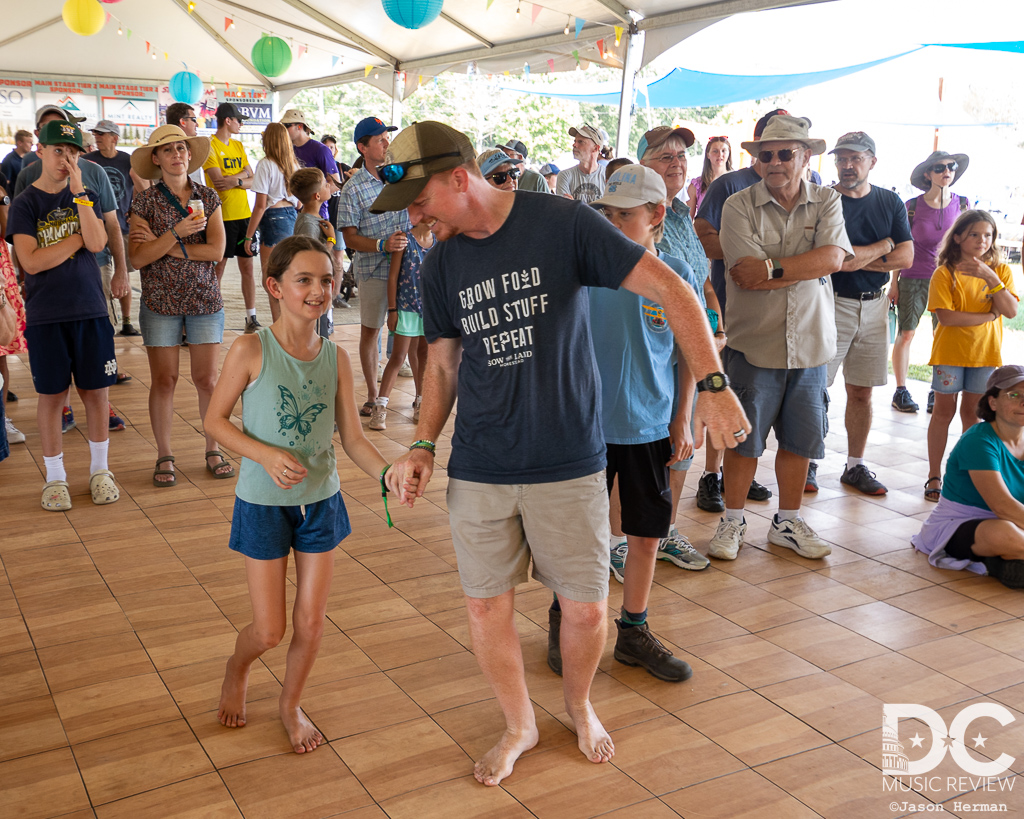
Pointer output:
175, 239
931, 215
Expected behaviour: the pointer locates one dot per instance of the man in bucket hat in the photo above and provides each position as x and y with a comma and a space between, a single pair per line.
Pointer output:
877, 226
505, 313
583, 182
782, 239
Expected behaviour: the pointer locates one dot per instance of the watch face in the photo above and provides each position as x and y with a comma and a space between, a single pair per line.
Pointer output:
717, 381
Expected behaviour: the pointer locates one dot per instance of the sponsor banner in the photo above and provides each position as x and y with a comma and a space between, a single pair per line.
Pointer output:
137, 112
78, 99
17, 109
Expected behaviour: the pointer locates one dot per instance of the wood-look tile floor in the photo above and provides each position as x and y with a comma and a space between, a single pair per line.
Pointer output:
115, 623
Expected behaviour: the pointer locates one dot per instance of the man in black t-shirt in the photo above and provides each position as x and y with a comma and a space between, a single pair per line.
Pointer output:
118, 166
876, 222
506, 316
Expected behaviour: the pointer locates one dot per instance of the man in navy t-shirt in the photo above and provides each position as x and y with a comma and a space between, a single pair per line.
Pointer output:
506, 315
877, 224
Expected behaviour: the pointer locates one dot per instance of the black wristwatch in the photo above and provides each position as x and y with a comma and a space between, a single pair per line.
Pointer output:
776, 273
713, 382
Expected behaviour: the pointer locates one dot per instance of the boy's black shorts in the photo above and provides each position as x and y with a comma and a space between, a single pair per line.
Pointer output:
644, 492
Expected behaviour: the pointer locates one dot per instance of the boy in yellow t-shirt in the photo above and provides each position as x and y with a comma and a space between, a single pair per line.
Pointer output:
970, 292
228, 172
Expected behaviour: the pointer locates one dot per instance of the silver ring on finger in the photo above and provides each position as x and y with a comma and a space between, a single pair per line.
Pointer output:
739, 434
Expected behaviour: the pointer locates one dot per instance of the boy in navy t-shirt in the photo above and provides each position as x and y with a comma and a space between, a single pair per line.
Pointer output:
56, 226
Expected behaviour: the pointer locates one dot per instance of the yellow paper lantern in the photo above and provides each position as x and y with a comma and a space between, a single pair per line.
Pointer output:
84, 17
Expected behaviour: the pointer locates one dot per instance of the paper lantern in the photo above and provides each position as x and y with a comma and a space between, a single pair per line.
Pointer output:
110, 1
271, 56
186, 87
412, 13
84, 17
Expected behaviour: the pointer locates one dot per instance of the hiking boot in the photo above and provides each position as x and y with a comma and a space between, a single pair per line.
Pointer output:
811, 485
677, 549
252, 324
725, 545
67, 420
14, 435
863, 479
636, 646
931, 402
795, 534
554, 640
378, 417
128, 330
619, 561
709, 493
758, 492
1008, 572
902, 401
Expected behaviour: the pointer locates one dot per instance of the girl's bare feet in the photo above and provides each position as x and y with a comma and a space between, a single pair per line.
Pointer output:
302, 733
594, 741
232, 696
497, 763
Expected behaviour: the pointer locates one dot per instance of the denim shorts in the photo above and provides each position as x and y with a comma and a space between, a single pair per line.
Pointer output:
792, 402
159, 330
951, 380
277, 225
271, 532
81, 349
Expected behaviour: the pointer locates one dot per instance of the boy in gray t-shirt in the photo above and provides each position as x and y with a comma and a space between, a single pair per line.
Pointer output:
309, 186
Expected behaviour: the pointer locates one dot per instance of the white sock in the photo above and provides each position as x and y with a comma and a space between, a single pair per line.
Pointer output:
788, 514
98, 455
250, 312
734, 514
55, 468
382, 401
852, 462
616, 540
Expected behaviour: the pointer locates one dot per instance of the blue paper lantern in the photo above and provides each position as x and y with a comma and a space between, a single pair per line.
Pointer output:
186, 87
272, 56
412, 13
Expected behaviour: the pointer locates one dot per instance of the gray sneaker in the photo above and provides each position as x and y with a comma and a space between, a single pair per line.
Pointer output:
725, 545
379, 417
677, 549
636, 646
619, 561
863, 479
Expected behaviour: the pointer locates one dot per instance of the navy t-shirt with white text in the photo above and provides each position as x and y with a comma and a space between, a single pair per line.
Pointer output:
529, 392
879, 215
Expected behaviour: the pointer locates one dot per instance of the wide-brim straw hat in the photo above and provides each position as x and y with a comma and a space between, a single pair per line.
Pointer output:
917, 177
142, 163
784, 128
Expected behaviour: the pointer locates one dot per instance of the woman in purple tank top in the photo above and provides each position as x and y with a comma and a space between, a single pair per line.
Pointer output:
931, 214
717, 161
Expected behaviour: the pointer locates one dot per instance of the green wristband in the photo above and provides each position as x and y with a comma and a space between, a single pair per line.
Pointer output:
429, 446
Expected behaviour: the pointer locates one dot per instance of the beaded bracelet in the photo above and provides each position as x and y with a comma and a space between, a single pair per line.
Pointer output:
429, 446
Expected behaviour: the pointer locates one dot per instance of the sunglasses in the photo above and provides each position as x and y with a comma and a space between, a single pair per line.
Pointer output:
718, 139
949, 166
189, 119
395, 171
501, 177
785, 155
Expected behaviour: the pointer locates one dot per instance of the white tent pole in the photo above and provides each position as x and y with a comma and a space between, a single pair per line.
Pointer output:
397, 92
630, 67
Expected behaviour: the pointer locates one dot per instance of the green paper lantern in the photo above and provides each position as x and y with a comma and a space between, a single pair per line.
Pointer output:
271, 56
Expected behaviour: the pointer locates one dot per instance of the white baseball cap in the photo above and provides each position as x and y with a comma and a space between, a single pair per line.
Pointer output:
631, 186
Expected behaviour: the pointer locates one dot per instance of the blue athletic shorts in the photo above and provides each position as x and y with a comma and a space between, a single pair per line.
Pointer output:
277, 224
271, 532
82, 349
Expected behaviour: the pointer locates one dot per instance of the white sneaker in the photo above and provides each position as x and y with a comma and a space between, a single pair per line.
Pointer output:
406, 371
797, 535
416, 409
14, 435
378, 417
725, 545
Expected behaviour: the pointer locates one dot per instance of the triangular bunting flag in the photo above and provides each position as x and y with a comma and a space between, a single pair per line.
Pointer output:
302, 50
536, 11
489, 3
505, 73
108, 18
227, 23
334, 60
147, 46
618, 34
366, 71
580, 22
129, 34
551, 65
165, 55
600, 48
263, 34
526, 69
576, 56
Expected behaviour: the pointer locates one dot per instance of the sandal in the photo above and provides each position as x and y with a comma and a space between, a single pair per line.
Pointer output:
159, 471
56, 497
102, 487
934, 493
223, 462
366, 410
123, 378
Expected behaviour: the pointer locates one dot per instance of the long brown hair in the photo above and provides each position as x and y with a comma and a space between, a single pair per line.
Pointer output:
950, 253
278, 147
707, 175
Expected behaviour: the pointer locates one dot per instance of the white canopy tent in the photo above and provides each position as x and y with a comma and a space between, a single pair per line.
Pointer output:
336, 42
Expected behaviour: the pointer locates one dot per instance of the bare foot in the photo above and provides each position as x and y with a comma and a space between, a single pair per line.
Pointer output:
497, 763
302, 733
232, 696
594, 741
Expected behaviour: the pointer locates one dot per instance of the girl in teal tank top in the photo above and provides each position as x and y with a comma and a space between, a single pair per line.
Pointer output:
294, 387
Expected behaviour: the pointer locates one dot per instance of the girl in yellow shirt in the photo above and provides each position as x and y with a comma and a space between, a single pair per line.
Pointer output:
969, 294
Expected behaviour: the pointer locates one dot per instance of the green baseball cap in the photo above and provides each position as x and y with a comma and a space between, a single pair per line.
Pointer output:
60, 132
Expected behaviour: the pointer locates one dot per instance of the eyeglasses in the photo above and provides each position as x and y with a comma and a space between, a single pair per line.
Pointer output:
395, 171
501, 177
667, 158
949, 166
785, 155
1015, 396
